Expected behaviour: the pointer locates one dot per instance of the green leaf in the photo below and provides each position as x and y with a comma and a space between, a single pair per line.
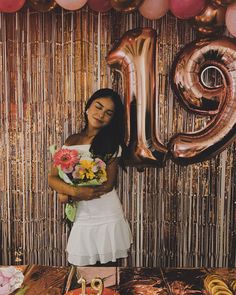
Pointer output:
70, 211
92, 182
22, 291
52, 149
64, 176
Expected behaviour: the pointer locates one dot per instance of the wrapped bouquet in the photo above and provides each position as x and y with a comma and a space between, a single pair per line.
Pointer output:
78, 169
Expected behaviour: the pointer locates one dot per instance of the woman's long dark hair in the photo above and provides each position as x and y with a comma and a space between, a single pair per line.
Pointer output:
106, 143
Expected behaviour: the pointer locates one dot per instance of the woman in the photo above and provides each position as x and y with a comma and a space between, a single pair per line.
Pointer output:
100, 232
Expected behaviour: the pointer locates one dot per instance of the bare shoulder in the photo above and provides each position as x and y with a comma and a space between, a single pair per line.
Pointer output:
73, 139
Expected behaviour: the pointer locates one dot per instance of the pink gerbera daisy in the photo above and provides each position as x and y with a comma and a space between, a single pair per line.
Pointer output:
66, 159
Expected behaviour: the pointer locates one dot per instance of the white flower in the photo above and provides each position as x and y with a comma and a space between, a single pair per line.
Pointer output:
10, 280
95, 168
87, 158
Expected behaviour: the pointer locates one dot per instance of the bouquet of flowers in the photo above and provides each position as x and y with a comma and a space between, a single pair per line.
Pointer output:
78, 169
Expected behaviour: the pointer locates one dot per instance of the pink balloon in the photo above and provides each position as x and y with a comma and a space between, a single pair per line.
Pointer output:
230, 19
154, 9
11, 5
71, 4
185, 9
99, 5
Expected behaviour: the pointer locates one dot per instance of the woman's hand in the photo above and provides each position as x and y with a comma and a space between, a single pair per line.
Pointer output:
87, 193
63, 198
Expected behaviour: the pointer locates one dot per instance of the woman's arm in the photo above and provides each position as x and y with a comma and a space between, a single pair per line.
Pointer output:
75, 192
85, 193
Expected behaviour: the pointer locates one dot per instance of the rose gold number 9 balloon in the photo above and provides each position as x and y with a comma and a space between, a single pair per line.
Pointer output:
218, 102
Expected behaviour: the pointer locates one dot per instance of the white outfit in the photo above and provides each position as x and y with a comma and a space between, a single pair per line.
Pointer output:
100, 232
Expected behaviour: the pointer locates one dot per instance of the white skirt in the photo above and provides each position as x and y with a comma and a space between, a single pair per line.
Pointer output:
100, 232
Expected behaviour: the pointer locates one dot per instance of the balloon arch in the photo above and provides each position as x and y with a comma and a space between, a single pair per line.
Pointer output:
206, 16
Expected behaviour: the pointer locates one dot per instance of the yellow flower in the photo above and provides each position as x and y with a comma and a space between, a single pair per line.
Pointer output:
81, 175
103, 175
103, 172
87, 169
90, 174
87, 164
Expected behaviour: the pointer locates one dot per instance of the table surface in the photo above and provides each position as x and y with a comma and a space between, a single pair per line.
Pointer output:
44, 280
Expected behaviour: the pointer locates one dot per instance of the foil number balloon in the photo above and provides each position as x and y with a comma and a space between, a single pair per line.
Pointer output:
218, 102
134, 58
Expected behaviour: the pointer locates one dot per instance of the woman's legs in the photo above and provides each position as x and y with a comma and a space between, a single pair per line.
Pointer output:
108, 264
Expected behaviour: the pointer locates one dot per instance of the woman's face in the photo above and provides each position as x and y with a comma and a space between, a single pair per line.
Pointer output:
100, 112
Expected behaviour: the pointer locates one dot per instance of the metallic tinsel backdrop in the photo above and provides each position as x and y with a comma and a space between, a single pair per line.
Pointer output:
50, 63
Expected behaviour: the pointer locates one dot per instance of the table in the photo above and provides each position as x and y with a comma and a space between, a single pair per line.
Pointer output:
47, 280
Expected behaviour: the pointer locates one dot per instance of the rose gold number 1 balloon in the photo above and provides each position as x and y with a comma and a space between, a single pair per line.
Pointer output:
134, 58
218, 102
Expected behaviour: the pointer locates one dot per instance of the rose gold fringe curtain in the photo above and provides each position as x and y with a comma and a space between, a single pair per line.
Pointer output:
50, 63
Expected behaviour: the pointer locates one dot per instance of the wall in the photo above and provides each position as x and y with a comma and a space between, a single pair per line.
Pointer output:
50, 64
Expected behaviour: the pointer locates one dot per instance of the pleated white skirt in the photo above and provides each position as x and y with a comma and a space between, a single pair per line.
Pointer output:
100, 232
